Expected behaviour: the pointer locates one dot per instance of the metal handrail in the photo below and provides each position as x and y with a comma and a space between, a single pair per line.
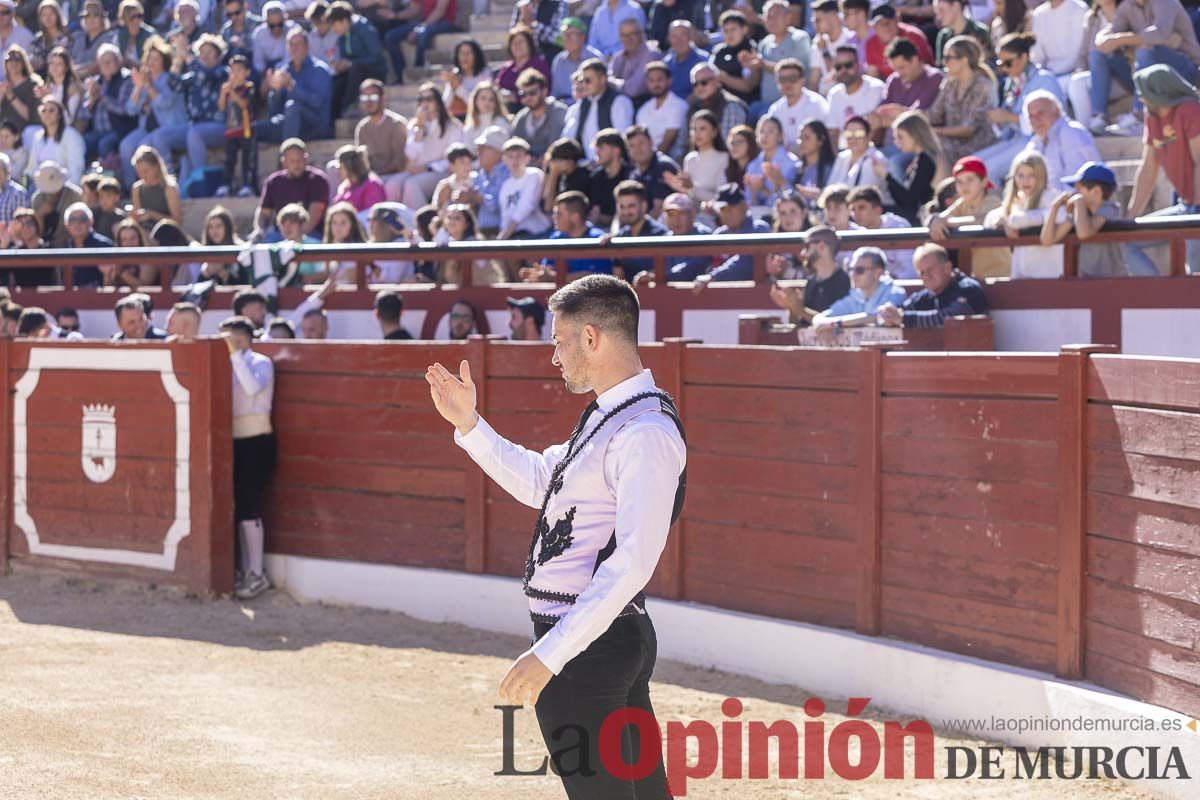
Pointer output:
963, 240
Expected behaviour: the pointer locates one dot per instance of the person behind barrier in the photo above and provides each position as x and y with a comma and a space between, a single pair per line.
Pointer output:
947, 293
388, 307
253, 451
252, 305
184, 321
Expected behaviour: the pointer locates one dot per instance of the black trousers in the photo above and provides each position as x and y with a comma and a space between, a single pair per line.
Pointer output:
611, 674
253, 463
247, 151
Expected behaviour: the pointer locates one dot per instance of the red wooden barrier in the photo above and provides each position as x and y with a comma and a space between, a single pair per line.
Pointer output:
121, 459
1037, 510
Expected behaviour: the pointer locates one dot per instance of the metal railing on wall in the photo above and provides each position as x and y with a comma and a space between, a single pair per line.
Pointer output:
1173, 231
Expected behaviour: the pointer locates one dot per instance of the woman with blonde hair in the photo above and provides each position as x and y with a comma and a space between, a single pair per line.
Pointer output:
1027, 200
129, 234
155, 195
360, 187
959, 115
485, 108
927, 163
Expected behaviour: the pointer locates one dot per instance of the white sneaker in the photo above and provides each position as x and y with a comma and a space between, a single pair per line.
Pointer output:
254, 585
1097, 124
1126, 125
246, 191
222, 191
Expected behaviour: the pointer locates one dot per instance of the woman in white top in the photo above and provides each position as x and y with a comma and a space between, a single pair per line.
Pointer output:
430, 132
253, 451
54, 140
342, 226
704, 167
470, 69
483, 109
854, 166
63, 81
1026, 202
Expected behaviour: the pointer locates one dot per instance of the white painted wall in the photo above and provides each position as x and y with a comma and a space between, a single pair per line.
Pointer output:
1170, 332
1041, 329
831, 664
719, 326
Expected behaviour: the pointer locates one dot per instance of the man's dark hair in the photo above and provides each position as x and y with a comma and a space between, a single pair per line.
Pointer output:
576, 200
868, 193
238, 323
637, 130
457, 151
280, 322
1106, 189
32, 319
604, 301
340, 10
848, 48
789, 63
733, 15
146, 300
11, 311
129, 301
239, 60
186, 308
244, 298
826, 234
635, 188
901, 48
826, 6
861, 5
388, 305
565, 149
594, 65
67, 311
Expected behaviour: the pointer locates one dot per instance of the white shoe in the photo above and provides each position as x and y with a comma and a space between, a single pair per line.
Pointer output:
1097, 124
247, 191
1126, 125
222, 191
254, 585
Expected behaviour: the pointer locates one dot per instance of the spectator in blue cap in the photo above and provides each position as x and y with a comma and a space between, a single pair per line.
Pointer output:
1088, 208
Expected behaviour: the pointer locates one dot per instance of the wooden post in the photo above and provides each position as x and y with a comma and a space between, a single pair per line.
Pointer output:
475, 495
1178, 266
660, 270
1071, 257
212, 414
752, 326
672, 381
869, 451
1072, 506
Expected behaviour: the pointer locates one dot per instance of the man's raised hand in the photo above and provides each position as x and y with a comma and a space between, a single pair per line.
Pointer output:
454, 398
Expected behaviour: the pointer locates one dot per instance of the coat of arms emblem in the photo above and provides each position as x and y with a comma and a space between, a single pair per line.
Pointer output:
99, 456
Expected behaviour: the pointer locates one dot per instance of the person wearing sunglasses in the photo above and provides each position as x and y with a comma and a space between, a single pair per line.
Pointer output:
133, 32
871, 288
1021, 78
566, 63
237, 29
10, 32
854, 94
270, 39
540, 120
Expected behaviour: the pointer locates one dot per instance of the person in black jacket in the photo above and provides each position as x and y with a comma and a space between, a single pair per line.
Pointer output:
915, 138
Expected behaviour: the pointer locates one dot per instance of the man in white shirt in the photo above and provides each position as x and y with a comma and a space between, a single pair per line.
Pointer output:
866, 205
854, 95
253, 451
607, 499
831, 34
604, 34
1058, 25
521, 214
601, 107
798, 104
664, 115
782, 42
11, 31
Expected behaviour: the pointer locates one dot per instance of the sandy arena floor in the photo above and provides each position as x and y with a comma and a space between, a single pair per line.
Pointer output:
121, 691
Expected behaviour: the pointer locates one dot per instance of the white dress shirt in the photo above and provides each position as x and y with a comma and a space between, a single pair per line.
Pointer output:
622, 483
1059, 33
621, 115
792, 117
253, 389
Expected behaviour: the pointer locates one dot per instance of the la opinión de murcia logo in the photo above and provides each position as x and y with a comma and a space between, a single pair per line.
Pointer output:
99, 453
722, 745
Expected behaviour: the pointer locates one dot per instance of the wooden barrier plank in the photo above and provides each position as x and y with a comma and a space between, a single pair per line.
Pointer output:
777, 406
793, 556
985, 501
1147, 686
1163, 619
1145, 653
432, 552
987, 418
360, 359
957, 538
1137, 380
528, 360
352, 390
1144, 431
790, 514
406, 449
979, 459
113, 530
535, 395
353, 507
706, 583
357, 476
133, 441
1145, 522
836, 586
1019, 584
831, 483
1156, 571
808, 445
295, 411
151, 500
772, 368
1165, 480
992, 375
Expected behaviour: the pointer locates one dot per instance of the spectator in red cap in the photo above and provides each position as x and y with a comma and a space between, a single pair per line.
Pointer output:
976, 197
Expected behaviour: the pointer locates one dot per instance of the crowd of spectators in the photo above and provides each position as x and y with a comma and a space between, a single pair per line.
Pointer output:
606, 118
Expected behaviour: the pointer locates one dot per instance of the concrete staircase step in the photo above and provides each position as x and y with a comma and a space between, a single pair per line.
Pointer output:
1116, 148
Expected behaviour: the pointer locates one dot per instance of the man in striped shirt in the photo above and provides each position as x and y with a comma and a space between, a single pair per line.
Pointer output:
12, 194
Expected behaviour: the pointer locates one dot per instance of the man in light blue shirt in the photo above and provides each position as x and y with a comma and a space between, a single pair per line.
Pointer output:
605, 33
575, 51
487, 180
871, 288
301, 94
